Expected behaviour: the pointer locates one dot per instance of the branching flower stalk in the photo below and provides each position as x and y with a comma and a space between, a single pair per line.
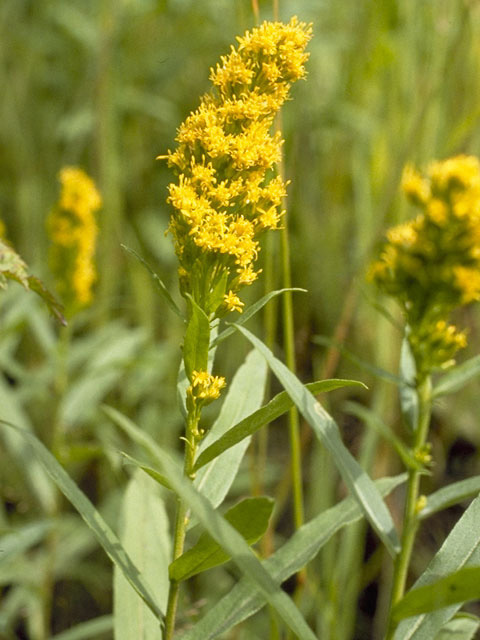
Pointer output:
431, 265
226, 196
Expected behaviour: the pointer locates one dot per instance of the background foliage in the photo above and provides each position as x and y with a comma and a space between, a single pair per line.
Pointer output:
104, 85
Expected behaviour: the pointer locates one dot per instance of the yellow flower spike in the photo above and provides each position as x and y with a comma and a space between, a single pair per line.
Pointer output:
225, 195
73, 230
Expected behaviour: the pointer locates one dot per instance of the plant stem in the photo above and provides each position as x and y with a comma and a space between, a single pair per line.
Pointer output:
181, 519
410, 521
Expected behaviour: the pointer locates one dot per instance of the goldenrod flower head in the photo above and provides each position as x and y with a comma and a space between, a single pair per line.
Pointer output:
414, 185
204, 388
225, 195
432, 264
73, 231
233, 302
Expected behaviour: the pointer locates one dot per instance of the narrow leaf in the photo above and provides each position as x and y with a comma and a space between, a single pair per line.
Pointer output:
379, 373
160, 284
196, 342
87, 630
458, 587
241, 602
233, 543
457, 377
153, 473
326, 430
408, 394
249, 517
250, 312
244, 395
460, 549
105, 536
462, 627
277, 406
372, 420
450, 495
145, 537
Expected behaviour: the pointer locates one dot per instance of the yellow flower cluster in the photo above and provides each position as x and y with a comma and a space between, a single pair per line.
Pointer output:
432, 263
225, 195
73, 231
204, 388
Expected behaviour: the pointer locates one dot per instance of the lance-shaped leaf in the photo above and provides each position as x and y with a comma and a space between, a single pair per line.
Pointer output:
242, 602
249, 517
197, 338
458, 587
460, 549
277, 406
450, 495
233, 543
250, 312
104, 534
158, 281
457, 377
326, 430
463, 626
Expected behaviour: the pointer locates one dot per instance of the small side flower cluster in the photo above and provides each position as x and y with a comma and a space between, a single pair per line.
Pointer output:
73, 230
431, 264
225, 195
205, 388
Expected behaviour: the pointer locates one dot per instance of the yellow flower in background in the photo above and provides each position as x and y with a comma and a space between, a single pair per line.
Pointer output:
226, 194
431, 264
73, 231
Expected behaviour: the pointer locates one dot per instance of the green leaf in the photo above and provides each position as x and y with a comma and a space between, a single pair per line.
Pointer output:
197, 338
457, 377
21, 539
372, 420
326, 430
408, 394
462, 627
153, 473
277, 406
379, 373
459, 587
450, 495
144, 535
242, 602
160, 284
86, 630
20, 452
460, 549
53, 305
105, 536
233, 543
12, 267
249, 517
250, 312
245, 394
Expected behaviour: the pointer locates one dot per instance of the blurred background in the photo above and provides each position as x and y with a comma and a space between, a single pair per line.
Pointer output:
104, 84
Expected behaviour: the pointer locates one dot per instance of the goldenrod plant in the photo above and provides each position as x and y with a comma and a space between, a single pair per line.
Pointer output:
431, 266
141, 412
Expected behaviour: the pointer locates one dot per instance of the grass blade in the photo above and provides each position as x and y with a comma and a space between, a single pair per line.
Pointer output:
86, 630
326, 430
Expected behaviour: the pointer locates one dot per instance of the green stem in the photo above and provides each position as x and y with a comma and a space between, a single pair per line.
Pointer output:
181, 519
410, 521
